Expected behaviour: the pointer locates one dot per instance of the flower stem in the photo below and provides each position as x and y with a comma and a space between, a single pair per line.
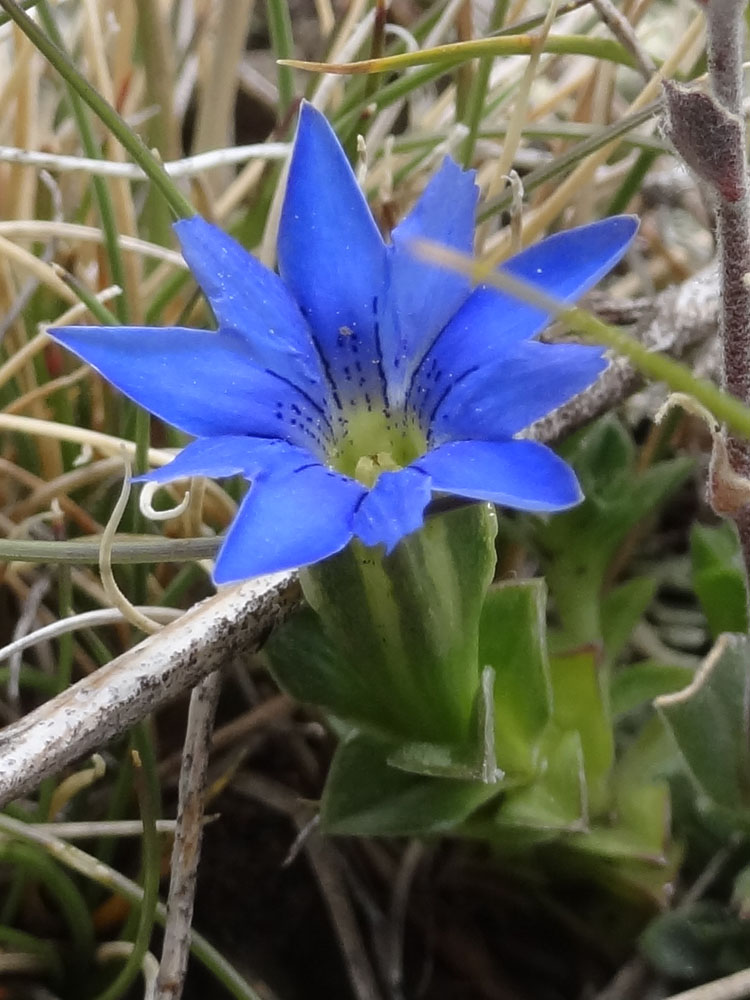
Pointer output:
725, 64
102, 109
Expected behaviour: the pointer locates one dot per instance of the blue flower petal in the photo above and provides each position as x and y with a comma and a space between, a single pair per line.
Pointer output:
333, 259
498, 400
490, 323
229, 455
520, 474
393, 508
422, 297
204, 383
251, 302
289, 518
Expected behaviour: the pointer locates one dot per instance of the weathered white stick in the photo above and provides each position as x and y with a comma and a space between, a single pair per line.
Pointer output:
113, 699
186, 850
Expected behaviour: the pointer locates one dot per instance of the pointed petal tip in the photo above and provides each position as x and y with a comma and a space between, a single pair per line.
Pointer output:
313, 125
628, 223
191, 229
77, 338
519, 474
615, 230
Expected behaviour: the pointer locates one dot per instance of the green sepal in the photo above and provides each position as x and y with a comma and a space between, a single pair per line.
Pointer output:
475, 761
406, 624
556, 800
305, 665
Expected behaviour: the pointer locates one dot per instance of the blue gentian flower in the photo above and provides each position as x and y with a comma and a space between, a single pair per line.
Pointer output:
359, 381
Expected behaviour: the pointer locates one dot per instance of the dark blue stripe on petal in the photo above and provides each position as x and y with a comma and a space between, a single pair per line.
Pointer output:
206, 384
331, 255
490, 325
498, 400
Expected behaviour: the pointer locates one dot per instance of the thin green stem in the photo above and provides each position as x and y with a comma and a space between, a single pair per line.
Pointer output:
64, 671
80, 861
92, 303
102, 109
91, 148
164, 295
84, 552
529, 23
632, 183
148, 801
45, 951
163, 128
727, 409
164, 131
453, 54
14, 892
24, 5
282, 43
36, 864
475, 107
568, 160
34, 680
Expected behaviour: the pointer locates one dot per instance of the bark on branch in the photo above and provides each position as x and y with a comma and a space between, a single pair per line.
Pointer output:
157, 670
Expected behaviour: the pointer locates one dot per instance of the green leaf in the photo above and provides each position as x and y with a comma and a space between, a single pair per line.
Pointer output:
652, 756
639, 683
622, 608
639, 828
365, 796
512, 641
719, 578
713, 546
578, 706
474, 762
709, 721
697, 942
556, 800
